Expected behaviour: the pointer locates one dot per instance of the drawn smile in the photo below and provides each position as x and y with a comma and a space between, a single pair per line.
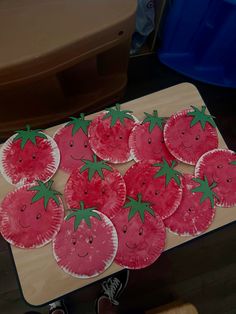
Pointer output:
132, 247
23, 225
83, 255
75, 158
215, 178
185, 146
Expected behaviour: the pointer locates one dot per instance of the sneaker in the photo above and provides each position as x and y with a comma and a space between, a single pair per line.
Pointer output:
57, 307
112, 289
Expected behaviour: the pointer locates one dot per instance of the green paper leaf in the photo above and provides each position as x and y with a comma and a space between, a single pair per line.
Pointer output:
167, 171
44, 191
28, 135
233, 162
117, 114
81, 214
79, 123
94, 167
153, 120
201, 116
138, 207
205, 189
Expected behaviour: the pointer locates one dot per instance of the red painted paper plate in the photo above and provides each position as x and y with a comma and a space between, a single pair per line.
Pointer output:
219, 166
27, 156
190, 133
146, 140
97, 184
31, 215
158, 182
72, 140
196, 210
87, 243
109, 135
141, 234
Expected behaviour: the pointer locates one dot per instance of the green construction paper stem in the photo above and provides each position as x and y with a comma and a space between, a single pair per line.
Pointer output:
81, 214
206, 190
44, 191
168, 171
138, 207
28, 135
153, 120
79, 123
94, 167
201, 117
117, 114
233, 162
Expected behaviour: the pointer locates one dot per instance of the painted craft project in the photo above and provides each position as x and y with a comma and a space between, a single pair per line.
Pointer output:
189, 133
196, 210
109, 134
87, 243
158, 182
141, 234
219, 165
97, 184
146, 140
27, 156
31, 215
72, 140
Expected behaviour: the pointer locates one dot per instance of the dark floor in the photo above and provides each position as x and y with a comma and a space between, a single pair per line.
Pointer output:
202, 272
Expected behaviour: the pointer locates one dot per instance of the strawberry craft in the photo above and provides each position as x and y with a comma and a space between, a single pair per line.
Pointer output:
146, 139
72, 140
28, 156
109, 134
190, 133
97, 184
86, 244
159, 184
219, 165
31, 215
197, 208
141, 234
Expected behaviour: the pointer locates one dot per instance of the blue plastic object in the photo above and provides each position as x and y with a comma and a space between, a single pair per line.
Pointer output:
199, 40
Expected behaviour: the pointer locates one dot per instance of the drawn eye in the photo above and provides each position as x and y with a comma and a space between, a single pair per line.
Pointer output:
140, 231
190, 209
219, 166
23, 207
197, 137
34, 156
124, 229
85, 144
162, 141
74, 241
103, 191
71, 143
38, 216
90, 240
85, 192
183, 132
149, 141
143, 183
20, 159
157, 192
229, 180
120, 137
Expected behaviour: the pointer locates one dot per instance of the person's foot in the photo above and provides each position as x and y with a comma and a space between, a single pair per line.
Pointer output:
57, 307
112, 289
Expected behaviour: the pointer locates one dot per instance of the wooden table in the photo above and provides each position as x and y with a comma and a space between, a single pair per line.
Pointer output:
40, 278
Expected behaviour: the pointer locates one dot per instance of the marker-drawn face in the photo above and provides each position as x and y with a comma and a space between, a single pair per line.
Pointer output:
27, 224
140, 244
73, 148
85, 252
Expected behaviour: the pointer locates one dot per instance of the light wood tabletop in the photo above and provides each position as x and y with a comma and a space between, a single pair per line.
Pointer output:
40, 278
